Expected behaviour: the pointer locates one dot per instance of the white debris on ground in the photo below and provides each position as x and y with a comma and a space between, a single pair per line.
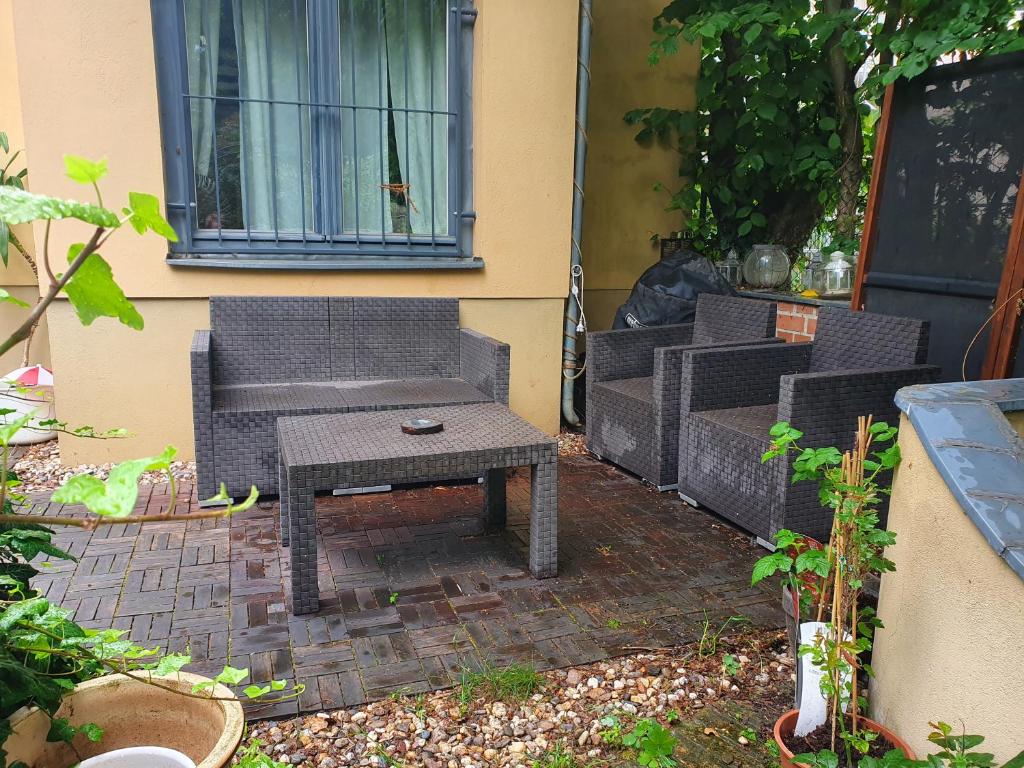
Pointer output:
433, 730
39, 469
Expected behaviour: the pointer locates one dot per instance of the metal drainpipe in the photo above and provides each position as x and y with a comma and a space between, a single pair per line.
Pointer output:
579, 169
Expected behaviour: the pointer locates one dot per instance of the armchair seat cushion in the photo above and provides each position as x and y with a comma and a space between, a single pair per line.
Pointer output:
340, 396
640, 388
752, 421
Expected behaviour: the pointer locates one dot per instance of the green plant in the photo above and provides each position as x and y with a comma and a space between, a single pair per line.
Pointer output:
613, 623
749, 734
708, 645
557, 757
252, 756
787, 100
672, 716
653, 742
731, 665
393, 598
851, 484
516, 682
611, 734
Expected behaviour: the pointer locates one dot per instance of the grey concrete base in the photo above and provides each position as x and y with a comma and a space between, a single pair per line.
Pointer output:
764, 543
663, 488
692, 502
358, 491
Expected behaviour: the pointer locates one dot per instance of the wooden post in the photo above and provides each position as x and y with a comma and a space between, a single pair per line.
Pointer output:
1006, 319
870, 234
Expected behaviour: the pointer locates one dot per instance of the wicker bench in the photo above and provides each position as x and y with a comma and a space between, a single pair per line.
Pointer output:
268, 357
355, 450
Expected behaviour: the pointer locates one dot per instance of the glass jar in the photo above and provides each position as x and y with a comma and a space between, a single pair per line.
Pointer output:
814, 275
766, 266
731, 269
838, 276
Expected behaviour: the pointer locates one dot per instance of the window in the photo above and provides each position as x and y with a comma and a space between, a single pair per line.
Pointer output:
323, 132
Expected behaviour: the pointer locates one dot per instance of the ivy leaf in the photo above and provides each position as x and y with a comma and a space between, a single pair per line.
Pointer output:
116, 497
84, 171
834, 141
23, 609
93, 292
20, 207
5, 242
171, 664
144, 213
9, 429
753, 32
5, 296
231, 675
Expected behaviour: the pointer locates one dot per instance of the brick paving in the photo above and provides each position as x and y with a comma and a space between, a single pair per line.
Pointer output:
414, 586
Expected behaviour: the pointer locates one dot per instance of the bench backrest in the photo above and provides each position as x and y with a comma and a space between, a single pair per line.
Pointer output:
272, 339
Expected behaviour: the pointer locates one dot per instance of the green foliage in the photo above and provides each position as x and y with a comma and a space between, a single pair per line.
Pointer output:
252, 756
20, 207
731, 665
778, 144
94, 293
516, 682
9, 177
653, 742
116, 496
708, 645
557, 757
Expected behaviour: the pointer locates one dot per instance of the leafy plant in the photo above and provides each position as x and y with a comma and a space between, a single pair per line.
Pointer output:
851, 484
611, 734
731, 665
653, 742
613, 623
779, 141
557, 757
516, 682
708, 645
393, 598
252, 756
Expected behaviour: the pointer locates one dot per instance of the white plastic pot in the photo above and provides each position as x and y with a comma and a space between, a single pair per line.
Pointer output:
136, 757
33, 399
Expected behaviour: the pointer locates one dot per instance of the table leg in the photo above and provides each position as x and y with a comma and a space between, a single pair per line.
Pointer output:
544, 519
302, 512
494, 496
282, 502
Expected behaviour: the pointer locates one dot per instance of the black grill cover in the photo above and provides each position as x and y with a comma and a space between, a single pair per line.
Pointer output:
667, 292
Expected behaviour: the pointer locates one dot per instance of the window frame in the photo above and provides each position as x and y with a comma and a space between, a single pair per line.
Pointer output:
311, 250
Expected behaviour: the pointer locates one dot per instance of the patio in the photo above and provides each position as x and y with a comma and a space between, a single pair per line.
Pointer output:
421, 588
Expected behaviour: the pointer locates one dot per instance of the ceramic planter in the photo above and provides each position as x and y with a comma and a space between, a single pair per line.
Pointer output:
133, 714
784, 730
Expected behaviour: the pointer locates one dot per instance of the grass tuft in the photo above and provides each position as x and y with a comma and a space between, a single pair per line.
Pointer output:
516, 681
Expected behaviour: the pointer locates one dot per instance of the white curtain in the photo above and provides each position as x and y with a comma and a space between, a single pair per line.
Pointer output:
275, 145
364, 72
202, 29
417, 61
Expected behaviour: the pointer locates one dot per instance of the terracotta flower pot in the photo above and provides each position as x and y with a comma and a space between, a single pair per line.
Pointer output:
133, 714
784, 730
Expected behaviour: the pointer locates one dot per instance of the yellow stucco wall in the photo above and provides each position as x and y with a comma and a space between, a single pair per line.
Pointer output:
87, 86
16, 278
622, 210
954, 619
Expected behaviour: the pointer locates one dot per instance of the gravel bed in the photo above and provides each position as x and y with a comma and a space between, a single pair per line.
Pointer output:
433, 730
39, 469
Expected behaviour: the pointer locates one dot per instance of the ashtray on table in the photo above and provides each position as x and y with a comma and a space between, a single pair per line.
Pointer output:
422, 426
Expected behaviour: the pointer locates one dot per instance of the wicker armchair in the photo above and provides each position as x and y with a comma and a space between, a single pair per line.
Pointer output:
732, 397
633, 382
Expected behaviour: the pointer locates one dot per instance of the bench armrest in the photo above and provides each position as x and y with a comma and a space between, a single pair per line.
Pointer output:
484, 363
825, 405
736, 377
629, 352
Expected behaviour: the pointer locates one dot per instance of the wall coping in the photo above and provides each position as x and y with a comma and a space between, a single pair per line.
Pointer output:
791, 298
977, 452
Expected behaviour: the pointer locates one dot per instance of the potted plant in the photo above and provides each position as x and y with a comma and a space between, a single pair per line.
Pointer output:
69, 693
849, 483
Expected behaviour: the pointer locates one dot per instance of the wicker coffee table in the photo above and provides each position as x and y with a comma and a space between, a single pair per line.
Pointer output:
358, 450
